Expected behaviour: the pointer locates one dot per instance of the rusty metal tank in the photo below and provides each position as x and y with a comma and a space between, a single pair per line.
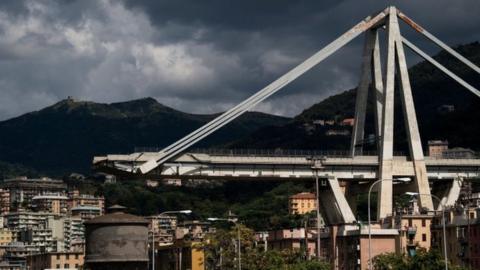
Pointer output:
116, 241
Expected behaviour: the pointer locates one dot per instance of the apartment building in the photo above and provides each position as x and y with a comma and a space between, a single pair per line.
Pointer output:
22, 190
302, 203
293, 239
163, 227
77, 201
53, 203
6, 236
55, 260
462, 236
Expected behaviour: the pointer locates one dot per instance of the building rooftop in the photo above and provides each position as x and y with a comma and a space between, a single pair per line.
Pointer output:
303, 195
85, 207
50, 196
437, 142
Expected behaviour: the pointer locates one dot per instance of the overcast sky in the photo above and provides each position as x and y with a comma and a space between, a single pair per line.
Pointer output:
195, 56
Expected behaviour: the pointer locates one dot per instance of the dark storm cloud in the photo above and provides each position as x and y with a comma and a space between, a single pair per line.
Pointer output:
196, 56
239, 15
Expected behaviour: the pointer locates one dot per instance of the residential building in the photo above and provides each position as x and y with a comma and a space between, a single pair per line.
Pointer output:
55, 260
302, 203
458, 152
439, 149
74, 234
293, 239
6, 236
344, 246
76, 199
47, 232
4, 201
15, 253
85, 212
163, 227
463, 233
352, 245
414, 231
22, 190
193, 230
470, 199
436, 148
413, 227
54, 203
181, 255
4, 265
24, 220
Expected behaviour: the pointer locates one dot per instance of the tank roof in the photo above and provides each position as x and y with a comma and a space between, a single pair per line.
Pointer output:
117, 216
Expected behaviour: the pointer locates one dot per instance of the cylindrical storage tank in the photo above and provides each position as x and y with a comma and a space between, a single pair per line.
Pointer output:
116, 241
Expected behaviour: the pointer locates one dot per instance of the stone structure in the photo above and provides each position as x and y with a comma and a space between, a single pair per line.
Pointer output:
116, 241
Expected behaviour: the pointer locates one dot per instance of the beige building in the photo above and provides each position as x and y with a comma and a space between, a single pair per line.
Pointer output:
22, 189
181, 255
353, 245
413, 232
6, 236
56, 260
77, 200
293, 239
302, 203
54, 203
436, 148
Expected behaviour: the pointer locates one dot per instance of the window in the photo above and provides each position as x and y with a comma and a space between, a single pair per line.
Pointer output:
424, 237
424, 223
58, 266
76, 256
409, 222
68, 256
66, 266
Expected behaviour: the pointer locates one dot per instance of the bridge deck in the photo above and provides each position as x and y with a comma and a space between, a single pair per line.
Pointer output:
225, 165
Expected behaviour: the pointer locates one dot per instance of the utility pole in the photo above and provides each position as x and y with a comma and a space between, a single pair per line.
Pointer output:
317, 203
315, 168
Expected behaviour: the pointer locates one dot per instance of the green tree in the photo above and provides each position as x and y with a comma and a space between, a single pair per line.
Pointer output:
423, 260
390, 261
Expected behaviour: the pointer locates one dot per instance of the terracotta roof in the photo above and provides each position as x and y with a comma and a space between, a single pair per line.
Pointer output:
303, 195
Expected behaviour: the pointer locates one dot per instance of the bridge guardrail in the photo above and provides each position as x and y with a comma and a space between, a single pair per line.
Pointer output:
295, 153
264, 152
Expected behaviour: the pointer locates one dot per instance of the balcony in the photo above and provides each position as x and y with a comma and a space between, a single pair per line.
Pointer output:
411, 231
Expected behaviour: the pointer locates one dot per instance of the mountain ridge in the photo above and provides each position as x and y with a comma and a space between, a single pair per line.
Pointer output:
65, 136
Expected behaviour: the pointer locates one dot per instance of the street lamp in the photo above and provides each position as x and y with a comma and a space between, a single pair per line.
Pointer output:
401, 179
185, 212
234, 221
443, 221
